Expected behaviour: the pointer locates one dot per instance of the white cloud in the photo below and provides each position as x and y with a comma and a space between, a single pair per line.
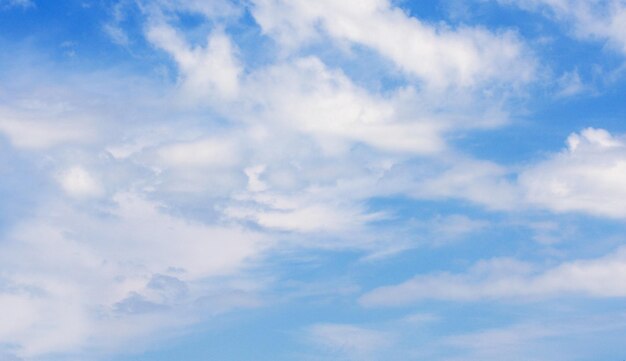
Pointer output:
304, 215
589, 176
206, 72
300, 149
590, 19
211, 152
77, 182
437, 54
310, 98
132, 268
570, 84
603, 277
38, 130
478, 181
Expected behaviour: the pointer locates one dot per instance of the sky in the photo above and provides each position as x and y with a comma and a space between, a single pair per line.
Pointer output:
312, 180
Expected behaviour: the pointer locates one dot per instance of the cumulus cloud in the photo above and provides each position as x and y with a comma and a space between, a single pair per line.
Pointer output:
588, 176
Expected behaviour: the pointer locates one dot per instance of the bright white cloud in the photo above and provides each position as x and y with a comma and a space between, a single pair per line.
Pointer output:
316, 100
436, 54
589, 176
77, 182
300, 214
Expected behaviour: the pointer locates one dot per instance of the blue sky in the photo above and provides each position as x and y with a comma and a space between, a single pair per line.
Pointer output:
312, 180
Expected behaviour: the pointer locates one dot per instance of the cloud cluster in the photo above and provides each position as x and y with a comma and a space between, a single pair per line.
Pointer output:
589, 176
158, 198
133, 268
436, 54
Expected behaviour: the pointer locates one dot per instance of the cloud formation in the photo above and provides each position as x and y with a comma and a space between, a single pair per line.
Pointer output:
589, 176
510, 279
227, 155
438, 55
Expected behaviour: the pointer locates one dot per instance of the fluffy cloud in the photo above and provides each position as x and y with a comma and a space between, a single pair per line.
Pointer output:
132, 268
311, 98
438, 55
589, 176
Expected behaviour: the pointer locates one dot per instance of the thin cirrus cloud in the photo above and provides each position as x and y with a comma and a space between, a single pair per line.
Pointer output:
603, 20
503, 279
204, 71
349, 340
7, 4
